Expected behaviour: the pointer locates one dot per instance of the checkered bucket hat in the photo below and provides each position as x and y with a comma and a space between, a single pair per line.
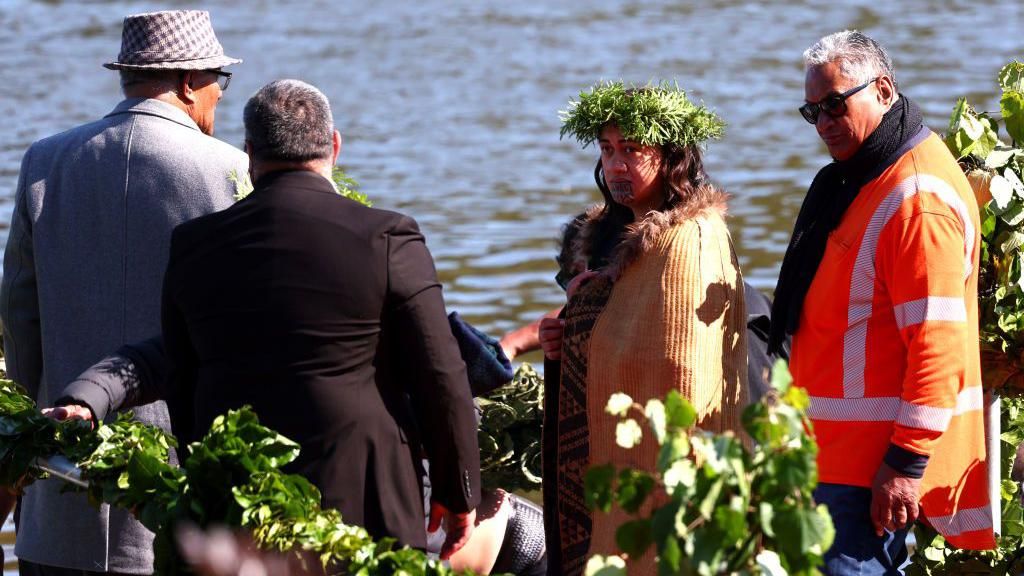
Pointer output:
171, 40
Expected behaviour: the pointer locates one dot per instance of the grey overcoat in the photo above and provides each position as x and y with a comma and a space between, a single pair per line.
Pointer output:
89, 241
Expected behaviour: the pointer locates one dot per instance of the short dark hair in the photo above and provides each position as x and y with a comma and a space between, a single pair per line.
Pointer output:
289, 121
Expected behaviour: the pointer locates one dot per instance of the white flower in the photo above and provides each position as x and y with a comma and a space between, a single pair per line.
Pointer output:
619, 404
628, 433
605, 566
681, 472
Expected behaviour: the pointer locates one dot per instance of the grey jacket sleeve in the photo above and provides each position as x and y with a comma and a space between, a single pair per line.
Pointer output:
19, 298
135, 375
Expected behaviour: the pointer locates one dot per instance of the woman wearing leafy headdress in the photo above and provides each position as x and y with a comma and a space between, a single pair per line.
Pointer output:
655, 303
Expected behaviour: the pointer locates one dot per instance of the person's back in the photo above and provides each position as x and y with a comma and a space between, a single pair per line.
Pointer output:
291, 317
327, 317
89, 240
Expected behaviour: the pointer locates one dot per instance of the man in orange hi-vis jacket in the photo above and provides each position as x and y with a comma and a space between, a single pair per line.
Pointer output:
879, 289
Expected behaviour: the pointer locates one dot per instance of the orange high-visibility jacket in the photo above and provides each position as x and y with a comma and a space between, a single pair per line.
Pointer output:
887, 345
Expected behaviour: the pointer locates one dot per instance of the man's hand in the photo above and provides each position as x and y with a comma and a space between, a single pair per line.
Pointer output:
893, 500
70, 412
458, 528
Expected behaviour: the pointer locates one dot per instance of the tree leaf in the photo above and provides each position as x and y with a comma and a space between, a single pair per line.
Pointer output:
1011, 77
678, 411
1012, 107
597, 487
634, 537
1002, 193
634, 487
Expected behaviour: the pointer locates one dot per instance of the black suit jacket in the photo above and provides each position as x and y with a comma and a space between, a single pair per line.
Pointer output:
327, 318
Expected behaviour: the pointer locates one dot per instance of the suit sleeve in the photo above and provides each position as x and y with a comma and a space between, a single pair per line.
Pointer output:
137, 374
19, 297
925, 276
440, 391
182, 361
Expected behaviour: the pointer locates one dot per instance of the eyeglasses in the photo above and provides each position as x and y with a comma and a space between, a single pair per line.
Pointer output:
834, 105
223, 80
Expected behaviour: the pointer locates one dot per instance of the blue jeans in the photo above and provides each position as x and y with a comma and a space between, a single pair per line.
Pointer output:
857, 550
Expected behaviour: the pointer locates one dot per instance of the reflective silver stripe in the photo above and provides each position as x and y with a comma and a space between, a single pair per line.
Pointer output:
924, 417
862, 280
970, 399
883, 409
937, 419
967, 520
941, 308
892, 408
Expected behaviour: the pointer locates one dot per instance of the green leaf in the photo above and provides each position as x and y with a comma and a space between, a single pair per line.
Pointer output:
1002, 193
676, 447
732, 522
670, 557
678, 411
1010, 241
597, 487
765, 515
1012, 107
634, 537
781, 378
634, 487
1011, 77
988, 224
1000, 157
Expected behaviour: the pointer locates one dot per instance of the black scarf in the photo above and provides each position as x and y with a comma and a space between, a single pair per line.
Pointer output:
831, 193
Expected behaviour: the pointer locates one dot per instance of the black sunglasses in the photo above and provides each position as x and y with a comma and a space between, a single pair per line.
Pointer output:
223, 80
834, 105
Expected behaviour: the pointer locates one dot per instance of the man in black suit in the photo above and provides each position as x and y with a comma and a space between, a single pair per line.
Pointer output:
327, 318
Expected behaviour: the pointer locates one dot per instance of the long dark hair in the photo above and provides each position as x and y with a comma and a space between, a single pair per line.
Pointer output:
684, 181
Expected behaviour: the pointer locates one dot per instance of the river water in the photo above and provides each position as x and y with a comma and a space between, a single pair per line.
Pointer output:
449, 108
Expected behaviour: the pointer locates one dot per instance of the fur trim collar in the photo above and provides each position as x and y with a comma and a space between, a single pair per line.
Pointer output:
640, 237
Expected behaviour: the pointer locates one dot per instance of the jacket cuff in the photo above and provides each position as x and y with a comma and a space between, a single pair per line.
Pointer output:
905, 462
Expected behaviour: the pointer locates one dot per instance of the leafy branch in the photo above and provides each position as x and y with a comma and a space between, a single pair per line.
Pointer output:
730, 508
231, 477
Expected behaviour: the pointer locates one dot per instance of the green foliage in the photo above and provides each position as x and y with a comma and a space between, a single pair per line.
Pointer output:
232, 477
1011, 80
652, 115
996, 171
935, 558
509, 434
730, 509
347, 186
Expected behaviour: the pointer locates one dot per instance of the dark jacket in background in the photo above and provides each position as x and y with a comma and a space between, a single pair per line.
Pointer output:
327, 318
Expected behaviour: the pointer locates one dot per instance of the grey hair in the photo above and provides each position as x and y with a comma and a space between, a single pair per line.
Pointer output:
859, 57
289, 121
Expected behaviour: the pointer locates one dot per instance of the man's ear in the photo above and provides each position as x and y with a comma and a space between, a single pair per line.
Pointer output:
336, 143
184, 86
886, 90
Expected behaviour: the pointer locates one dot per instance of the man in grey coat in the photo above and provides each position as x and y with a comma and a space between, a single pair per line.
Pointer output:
88, 245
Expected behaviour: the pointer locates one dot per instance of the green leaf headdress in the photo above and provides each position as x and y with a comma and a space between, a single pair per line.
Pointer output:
653, 115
